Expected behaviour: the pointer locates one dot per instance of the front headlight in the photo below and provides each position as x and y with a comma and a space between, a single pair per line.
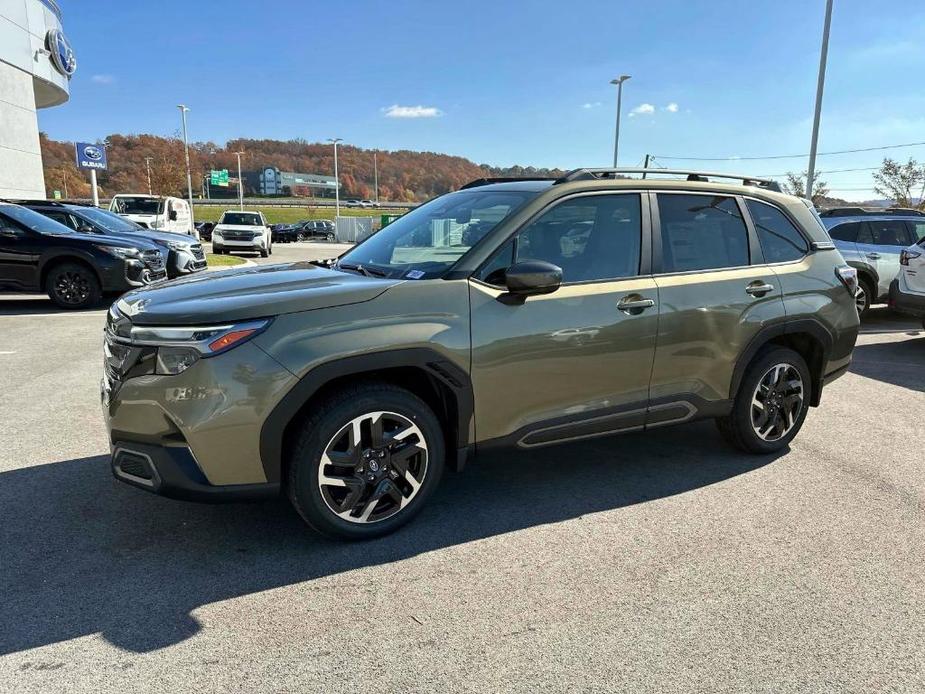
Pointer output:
176, 246
180, 347
216, 235
120, 252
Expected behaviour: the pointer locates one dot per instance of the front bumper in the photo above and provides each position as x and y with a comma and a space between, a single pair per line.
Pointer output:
172, 471
124, 275
238, 244
184, 263
912, 304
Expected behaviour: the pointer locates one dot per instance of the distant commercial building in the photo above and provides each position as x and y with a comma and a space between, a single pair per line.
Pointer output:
36, 63
272, 181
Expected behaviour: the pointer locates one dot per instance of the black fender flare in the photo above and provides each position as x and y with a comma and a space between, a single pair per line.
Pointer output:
431, 362
811, 326
66, 255
867, 269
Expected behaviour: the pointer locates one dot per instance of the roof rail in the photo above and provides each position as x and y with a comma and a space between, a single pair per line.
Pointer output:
703, 176
872, 212
36, 201
509, 179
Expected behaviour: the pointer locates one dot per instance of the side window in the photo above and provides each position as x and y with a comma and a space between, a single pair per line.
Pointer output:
887, 232
493, 271
62, 218
701, 232
864, 233
780, 241
918, 231
845, 232
595, 237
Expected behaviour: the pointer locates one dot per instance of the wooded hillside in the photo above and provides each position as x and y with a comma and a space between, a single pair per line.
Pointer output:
403, 175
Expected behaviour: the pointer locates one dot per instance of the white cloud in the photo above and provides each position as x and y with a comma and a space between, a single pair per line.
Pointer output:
672, 107
396, 111
103, 79
643, 110
589, 105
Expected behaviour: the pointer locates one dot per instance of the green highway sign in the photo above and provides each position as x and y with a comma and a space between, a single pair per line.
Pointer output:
218, 178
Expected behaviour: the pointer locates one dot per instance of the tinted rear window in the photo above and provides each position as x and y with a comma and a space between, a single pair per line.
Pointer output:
780, 240
845, 232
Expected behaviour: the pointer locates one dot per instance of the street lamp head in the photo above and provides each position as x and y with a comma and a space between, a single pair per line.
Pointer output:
182, 107
335, 140
620, 80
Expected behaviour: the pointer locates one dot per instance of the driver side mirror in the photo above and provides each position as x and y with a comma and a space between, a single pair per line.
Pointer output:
530, 278
172, 215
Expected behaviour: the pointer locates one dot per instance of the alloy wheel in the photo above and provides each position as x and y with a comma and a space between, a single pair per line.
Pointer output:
373, 467
860, 299
72, 287
777, 402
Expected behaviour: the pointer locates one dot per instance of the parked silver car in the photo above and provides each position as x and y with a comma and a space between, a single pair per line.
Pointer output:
871, 242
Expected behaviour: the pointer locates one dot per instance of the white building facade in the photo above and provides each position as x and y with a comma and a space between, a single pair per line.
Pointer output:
36, 62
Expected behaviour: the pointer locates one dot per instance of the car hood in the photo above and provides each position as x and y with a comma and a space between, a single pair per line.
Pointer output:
251, 292
238, 227
151, 235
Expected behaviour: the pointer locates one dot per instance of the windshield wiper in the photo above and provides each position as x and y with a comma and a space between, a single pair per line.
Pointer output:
366, 271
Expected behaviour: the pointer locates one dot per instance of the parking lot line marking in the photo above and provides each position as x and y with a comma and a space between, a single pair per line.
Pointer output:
7, 352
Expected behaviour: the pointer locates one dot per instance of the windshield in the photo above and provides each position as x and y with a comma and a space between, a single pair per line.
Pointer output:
138, 205
242, 218
108, 220
427, 241
34, 220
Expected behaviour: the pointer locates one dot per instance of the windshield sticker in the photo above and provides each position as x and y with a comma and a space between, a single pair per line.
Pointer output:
414, 274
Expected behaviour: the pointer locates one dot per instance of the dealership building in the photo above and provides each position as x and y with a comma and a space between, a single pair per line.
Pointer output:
36, 63
272, 181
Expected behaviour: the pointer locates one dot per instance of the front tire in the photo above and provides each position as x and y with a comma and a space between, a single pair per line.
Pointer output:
73, 286
365, 462
864, 297
771, 404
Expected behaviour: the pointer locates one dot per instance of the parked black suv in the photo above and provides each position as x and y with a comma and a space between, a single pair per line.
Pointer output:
39, 254
317, 229
184, 254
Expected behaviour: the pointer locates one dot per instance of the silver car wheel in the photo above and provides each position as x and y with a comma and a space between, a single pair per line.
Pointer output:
372, 467
777, 402
860, 299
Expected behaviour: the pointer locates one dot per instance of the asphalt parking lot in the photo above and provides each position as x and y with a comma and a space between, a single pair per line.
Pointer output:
660, 562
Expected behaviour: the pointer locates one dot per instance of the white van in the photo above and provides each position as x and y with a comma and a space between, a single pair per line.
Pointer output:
155, 212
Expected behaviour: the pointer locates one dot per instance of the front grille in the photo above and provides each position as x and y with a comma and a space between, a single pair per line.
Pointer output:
197, 252
153, 260
118, 357
238, 235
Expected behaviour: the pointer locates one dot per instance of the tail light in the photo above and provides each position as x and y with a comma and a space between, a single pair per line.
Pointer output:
905, 255
848, 277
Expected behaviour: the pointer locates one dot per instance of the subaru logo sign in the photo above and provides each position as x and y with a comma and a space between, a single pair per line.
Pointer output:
90, 156
62, 55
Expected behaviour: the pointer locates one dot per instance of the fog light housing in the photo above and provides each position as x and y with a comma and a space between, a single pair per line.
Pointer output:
174, 360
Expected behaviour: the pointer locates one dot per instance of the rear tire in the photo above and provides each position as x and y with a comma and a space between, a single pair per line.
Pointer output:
864, 297
410, 439
73, 286
771, 404
264, 253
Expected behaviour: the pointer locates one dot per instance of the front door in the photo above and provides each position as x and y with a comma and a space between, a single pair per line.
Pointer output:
19, 255
573, 364
880, 242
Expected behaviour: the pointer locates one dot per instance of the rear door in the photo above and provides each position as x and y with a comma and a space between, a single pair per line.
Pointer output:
880, 242
715, 293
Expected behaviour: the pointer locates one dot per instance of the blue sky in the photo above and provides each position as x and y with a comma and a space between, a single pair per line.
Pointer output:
509, 82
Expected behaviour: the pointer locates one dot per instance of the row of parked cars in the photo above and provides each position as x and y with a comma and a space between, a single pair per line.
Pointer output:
76, 253
887, 248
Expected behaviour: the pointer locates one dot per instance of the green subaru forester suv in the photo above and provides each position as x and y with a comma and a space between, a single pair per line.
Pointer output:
520, 313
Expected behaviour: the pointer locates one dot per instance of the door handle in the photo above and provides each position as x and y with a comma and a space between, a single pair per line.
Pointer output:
633, 306
873, 256
759, 288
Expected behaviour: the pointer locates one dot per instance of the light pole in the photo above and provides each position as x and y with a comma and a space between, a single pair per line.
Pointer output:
376, 175
820, 84
148, 168
189, 180
240, 188
616, 137
334, 141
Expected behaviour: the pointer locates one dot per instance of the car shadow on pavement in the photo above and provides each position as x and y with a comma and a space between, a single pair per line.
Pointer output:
899, 363
83, 554
42, 305
881, 319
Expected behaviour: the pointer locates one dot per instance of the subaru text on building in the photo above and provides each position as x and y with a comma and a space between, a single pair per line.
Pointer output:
37, 254
508, 314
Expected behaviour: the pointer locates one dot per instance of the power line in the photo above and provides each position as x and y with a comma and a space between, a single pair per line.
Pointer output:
794, 156
827, 171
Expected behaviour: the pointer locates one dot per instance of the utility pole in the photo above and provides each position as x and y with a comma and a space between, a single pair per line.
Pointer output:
820, 85
376, 175
334, 141
96, 193
65, 183
616, 138
189, 180
645, 165
240, 186
148, 167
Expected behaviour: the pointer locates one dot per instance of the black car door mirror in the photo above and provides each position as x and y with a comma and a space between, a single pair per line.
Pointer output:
172, 215
532, 278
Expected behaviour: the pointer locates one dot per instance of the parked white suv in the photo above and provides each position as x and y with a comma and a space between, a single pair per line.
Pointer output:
907, 291
242, 231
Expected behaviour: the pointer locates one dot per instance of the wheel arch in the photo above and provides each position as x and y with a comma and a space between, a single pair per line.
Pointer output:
441, 383
53, 261
807, 337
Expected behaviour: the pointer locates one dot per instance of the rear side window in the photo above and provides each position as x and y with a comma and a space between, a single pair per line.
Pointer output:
918, 231
845, 232
701, 232
780, 241
888, 232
